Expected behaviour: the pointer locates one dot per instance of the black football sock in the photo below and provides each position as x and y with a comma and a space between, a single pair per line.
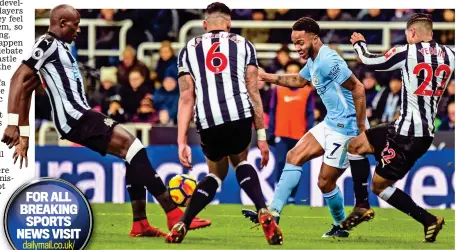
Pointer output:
202, 196
137, 196
400, 200
143, 174
360, 170
247, 178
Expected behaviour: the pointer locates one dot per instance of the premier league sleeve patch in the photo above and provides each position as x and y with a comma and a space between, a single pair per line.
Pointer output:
37, 53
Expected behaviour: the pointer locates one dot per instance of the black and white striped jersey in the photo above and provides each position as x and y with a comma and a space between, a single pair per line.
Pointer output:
53, 60
217, 62
426, 69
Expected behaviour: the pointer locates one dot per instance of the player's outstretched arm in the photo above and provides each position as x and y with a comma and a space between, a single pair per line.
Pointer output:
21, 79
287, 80
21, 149
395, 58
42, 50
184, 116
359, 99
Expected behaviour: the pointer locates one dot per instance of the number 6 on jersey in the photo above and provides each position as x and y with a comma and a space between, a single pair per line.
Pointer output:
212, 55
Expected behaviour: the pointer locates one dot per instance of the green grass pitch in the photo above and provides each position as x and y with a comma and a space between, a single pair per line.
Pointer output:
302, 227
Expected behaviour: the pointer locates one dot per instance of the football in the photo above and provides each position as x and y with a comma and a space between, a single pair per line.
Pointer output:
181, 188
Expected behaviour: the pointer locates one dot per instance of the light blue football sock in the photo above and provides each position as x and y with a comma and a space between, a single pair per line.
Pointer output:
288, 180
335, 202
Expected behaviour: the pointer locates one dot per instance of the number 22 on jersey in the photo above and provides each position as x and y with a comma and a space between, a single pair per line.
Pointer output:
422, 89
212, 55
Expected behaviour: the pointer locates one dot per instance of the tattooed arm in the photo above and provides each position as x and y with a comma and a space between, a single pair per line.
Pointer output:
251, 81
359, 99
251, 76
287, 80
186, 103
184, 116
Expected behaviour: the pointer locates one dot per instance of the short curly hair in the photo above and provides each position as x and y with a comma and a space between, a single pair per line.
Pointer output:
217, 7
307, 24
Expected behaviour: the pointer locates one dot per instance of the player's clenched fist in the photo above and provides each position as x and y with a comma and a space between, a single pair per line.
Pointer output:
355, 37
11, 136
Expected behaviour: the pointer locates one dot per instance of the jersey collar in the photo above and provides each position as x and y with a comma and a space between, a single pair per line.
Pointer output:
322, 46
53, 35
215, 31
58, 39
431, 41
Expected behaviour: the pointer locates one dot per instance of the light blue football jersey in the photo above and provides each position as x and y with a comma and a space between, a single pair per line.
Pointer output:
327, 73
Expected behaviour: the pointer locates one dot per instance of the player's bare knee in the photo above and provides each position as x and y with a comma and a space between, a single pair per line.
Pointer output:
239, 159
121, 142
325, 184
126, 145
376, 188
221, 176
293, 157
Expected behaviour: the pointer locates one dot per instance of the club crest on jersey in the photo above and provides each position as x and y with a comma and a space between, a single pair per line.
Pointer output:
314, 80
109, 122
37, 53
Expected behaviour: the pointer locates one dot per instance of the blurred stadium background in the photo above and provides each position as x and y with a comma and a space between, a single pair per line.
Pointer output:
115, 43
128, 59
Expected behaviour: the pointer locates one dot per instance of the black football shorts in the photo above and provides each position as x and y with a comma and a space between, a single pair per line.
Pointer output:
93, 130
395, 154
229, 138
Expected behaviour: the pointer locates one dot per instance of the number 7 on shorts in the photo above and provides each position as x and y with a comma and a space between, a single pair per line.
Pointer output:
335, 149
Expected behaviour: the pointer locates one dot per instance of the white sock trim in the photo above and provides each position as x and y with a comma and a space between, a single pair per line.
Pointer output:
133, 150
240, 164
386, 194
219, 182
